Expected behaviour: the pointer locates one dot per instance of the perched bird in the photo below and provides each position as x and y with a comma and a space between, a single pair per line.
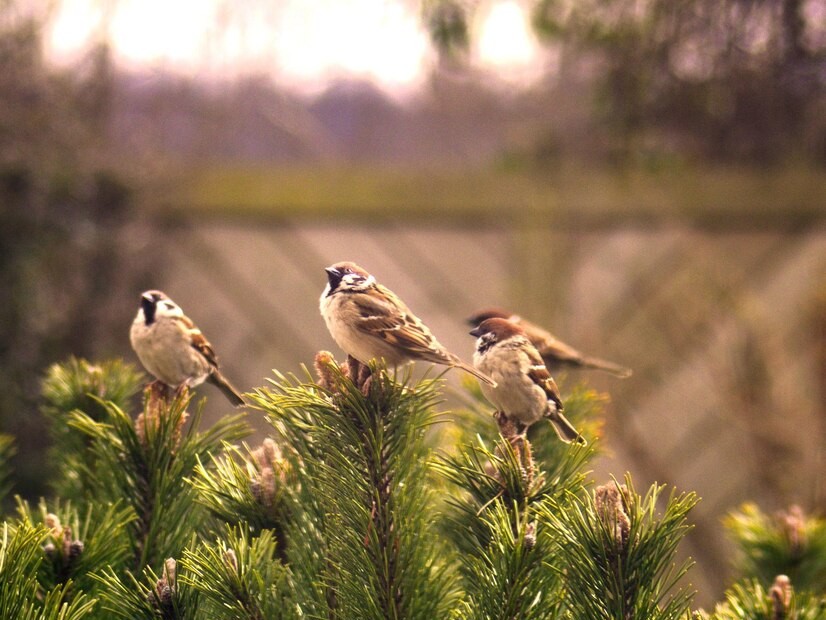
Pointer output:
172, 349
555, 353
368, 322
525, 392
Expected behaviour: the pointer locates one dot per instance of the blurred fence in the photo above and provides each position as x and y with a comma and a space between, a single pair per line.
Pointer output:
724, 325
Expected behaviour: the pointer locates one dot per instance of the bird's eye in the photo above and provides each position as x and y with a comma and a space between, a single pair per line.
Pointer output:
168, 305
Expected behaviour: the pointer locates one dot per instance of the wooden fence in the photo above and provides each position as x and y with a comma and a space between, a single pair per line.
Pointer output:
723, 325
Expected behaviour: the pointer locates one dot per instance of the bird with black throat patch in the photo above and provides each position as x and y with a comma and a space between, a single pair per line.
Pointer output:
556, 354
524, 392
368, 321
173, 349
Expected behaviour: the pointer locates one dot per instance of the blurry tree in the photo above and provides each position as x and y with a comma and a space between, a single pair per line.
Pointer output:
720, 79
61, 208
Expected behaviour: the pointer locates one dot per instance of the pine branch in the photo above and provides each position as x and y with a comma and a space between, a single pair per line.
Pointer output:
788, 543
245, 486
79, 385
75, 546
617, 553
360, 443
241, 577
504, 553
487, 477
166, 597
146, 463
21, 552
748, 600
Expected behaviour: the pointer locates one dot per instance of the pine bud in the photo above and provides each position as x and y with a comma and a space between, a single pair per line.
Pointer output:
53, 523
270, 476
610, 510
162, 596
793, 526
231, 559
530, 535
170, 571
325, 364
781, 595
75, 551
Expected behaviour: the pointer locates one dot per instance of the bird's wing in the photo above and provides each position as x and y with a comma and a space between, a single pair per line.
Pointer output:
548, 345
385, 316
538, 373
199, 341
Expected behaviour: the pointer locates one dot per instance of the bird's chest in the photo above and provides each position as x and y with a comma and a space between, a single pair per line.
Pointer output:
166, 352
515, 393
342, 314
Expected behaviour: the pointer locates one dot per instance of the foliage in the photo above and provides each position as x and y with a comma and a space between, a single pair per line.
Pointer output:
77, 545
349, 512
245, 486
789, 543
78, 385
692, 73
20, 594
150, 598
748, 600
618, 553
506, 557
360, 454
146, 464
241, 577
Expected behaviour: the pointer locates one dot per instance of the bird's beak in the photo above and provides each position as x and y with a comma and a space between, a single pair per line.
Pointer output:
333, 276
476, 331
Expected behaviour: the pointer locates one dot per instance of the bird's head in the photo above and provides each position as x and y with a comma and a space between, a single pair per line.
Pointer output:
347, 277
493, 331
488, 313
156, 304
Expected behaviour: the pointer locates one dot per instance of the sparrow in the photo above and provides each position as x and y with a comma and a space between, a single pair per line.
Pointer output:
368, 321
525, 392
555, 353
173, 349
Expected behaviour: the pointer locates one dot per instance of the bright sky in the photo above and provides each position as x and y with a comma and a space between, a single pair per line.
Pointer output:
305, 41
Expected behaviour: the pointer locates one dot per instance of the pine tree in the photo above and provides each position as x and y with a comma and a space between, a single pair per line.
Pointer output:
363, 503
362, 523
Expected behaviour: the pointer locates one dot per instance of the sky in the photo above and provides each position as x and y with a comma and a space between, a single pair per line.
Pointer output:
305, 42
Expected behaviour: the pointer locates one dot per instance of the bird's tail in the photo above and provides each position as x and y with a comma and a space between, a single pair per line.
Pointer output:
479, 375
564, 428
610, 367
219, 381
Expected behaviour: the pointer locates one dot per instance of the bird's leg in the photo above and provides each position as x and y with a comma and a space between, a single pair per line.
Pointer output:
352, 369
359, 374
158, 392
516, 434
508, 428
181, 391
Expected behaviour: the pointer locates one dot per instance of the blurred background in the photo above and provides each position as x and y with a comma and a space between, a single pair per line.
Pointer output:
645, 179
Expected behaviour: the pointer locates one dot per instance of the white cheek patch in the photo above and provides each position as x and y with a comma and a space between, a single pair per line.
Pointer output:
169, 308
356, 282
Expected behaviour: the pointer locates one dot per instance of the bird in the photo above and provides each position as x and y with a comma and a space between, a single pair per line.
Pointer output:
525, 392
555, 353
173, 349
368, 321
